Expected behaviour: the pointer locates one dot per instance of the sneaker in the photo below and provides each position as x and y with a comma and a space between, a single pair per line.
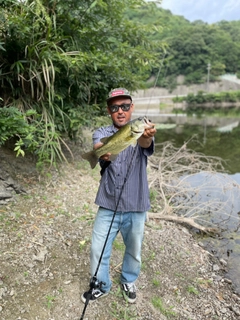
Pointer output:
96, 294
129, 292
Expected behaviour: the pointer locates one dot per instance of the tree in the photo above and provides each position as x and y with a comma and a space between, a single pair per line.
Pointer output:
61, 59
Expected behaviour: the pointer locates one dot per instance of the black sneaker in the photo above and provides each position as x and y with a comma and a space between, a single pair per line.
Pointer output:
129, 292
95, 295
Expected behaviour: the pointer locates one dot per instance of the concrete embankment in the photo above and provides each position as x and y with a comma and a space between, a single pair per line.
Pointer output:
159, 100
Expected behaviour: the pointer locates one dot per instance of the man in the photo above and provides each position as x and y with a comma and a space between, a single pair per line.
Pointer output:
127, 189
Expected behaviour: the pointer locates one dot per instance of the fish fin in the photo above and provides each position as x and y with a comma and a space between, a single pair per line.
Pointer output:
105, 140
91, 157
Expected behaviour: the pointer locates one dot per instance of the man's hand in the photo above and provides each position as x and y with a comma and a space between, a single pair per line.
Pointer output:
106, 157
149, 132
146, 138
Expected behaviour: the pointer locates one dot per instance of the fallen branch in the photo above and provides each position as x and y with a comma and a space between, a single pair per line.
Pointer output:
184, 220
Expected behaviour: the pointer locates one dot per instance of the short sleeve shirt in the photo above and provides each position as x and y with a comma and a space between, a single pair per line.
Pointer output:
124, 185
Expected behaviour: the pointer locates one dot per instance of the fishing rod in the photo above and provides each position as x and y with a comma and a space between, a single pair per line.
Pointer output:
94, 282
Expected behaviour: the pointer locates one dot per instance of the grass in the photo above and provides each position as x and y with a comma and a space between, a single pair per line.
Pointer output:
204, 282
158, 304
193, 290
156, 282
180, 275
50, 300
122, 312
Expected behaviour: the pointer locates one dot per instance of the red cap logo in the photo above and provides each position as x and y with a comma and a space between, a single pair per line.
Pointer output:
116, 93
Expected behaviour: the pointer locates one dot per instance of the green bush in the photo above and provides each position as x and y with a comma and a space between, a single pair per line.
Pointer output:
14, 124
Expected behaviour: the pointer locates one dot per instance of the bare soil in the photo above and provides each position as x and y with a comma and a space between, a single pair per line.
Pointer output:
44, 256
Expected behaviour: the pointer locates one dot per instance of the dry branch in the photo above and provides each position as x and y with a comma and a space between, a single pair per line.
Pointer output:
183, 220
191, 188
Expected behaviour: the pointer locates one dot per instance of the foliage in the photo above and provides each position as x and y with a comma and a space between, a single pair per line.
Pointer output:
30, 133
192, 45
215, 98
60, 59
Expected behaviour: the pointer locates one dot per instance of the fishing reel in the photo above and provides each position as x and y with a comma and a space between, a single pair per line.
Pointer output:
95, 284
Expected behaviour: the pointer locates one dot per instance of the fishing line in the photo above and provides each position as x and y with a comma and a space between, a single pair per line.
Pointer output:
94, 283
156, 80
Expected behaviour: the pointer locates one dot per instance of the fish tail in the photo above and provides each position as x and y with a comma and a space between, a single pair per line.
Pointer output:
91, 157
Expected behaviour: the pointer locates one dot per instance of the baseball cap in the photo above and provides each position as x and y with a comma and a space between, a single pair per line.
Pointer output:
118, 92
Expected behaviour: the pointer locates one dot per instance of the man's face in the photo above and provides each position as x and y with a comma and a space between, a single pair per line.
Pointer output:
120, 115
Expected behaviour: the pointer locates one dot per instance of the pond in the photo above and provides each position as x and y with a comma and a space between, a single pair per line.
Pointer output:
213, 136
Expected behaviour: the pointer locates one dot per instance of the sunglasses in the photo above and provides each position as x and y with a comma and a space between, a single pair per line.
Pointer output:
124, 107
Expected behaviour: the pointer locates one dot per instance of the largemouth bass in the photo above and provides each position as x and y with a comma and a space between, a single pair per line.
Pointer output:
123, 138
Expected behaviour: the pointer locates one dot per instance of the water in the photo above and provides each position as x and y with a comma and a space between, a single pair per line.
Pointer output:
213, 136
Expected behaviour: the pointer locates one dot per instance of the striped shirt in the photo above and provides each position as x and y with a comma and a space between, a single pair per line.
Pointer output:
135, 193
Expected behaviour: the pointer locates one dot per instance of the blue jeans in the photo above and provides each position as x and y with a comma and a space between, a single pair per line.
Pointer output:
131, 226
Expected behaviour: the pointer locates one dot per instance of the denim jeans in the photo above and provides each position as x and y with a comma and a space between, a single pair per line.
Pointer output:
131, 226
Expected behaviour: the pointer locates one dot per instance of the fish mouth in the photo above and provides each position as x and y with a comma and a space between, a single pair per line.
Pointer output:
135, 131
148, 123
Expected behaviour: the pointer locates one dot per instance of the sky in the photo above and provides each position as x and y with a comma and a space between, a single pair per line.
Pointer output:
209, 11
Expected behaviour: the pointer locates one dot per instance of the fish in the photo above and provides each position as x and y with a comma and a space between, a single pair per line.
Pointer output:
127, 135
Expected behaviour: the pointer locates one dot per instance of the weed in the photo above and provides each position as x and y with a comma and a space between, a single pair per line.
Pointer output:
50, 300
151, 256
27, 196
62, 212
155, 207
17, 215
89, 217
118, 245
179, 275
86, 207
192, 289
2, 215
143, 266
204, 282
48, 175
156, 282
121, 312
158, 304
154, 226
118, 293
153, 195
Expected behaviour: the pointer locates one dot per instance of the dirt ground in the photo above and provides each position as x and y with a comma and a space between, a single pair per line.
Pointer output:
45, 238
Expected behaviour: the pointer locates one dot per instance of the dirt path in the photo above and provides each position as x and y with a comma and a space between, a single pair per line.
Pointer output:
44, 257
